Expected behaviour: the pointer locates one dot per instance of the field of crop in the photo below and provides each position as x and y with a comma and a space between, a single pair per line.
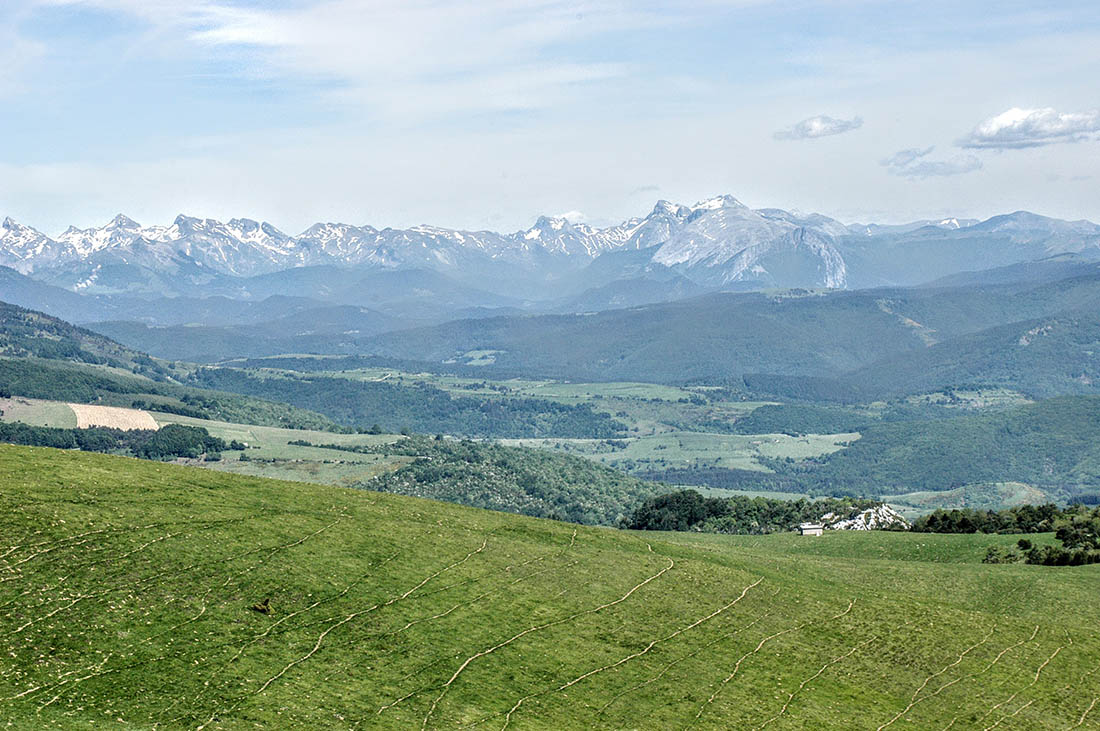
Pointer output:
38, 412
112, 417
153, 595
670, 450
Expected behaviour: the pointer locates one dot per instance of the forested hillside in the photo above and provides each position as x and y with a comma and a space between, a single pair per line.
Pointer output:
798, 335
1052, 444
528, 481
30, 334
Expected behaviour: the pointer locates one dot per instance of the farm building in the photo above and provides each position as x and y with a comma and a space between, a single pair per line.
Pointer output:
811, 529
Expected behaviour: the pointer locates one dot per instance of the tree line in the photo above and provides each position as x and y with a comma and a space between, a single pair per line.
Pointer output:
688, 510
170, 441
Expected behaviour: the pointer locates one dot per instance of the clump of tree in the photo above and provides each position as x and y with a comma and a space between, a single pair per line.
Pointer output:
688, 510
1020, 519
168, 442
513, 479
1079, 531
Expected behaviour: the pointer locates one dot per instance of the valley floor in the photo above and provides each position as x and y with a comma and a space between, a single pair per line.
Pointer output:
160, 596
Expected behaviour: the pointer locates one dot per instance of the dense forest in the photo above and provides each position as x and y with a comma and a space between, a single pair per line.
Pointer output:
528, 481
688, 510
172, 440
419, 408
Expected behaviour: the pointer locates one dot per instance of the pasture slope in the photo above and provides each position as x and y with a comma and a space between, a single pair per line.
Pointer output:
156, 596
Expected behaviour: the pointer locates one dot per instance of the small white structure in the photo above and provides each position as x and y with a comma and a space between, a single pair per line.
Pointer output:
811, 529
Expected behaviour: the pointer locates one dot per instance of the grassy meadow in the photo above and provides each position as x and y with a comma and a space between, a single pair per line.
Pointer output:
270, 453
157, 596
670, 450
37, 412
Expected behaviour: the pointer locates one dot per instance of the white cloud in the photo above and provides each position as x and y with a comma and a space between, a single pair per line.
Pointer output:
406, 58
820, 126
1019, 128
573, 216
912, 163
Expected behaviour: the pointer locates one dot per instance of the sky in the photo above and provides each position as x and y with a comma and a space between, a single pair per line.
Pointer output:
489, 113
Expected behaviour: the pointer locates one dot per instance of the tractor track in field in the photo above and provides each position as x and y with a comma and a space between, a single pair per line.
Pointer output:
100, 671
1038, 672
914, 700
791, 696
984, 670
1081, 720
519, 635
628, 658
737, 665
332, 627
680, 659
439, 615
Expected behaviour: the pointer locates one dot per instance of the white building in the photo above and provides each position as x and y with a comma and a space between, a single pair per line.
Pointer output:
811, 529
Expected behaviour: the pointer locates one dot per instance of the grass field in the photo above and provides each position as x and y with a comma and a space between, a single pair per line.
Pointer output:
37, 412
271, 454
670, 450
127, 591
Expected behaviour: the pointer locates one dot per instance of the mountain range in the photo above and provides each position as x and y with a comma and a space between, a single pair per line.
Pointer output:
716, 243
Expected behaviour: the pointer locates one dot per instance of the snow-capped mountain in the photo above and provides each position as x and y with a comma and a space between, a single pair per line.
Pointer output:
241, 247
24, 249
120, 232
718, 242
722, 240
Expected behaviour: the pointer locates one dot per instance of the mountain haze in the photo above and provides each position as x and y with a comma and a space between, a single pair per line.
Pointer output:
716, 243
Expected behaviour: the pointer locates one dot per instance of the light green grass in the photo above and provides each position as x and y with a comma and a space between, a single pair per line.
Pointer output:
272, 455
671, 450
37, 412
126, 587
269, 441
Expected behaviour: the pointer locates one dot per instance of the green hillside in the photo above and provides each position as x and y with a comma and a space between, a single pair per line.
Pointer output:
1051, 444
1042, 358
29, 334
143, 594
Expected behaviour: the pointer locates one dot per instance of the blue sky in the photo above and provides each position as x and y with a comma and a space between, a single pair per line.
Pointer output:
486, 114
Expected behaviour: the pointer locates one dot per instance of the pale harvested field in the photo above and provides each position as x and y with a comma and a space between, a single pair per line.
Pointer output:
113, 417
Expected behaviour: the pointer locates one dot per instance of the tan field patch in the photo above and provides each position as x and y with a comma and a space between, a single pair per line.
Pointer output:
112, 417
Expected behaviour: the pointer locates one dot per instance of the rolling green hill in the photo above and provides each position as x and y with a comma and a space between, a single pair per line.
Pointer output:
143, 594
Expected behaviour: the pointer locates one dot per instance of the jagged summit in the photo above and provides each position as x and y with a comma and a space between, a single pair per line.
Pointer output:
716, 242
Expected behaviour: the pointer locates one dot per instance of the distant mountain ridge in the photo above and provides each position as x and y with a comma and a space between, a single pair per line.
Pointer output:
718, 242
